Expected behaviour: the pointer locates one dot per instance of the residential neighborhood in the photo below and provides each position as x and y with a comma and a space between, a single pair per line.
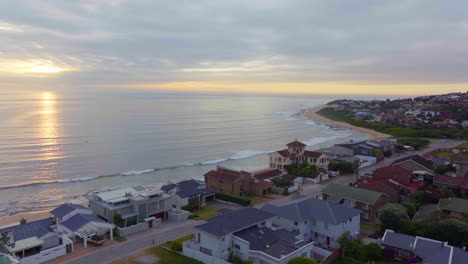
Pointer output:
304, 203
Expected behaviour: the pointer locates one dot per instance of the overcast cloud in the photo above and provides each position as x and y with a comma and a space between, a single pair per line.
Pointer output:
125, 42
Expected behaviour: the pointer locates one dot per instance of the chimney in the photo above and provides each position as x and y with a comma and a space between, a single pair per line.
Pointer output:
23, 221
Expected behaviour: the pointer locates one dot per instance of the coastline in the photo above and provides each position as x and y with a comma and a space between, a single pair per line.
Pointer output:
313, 115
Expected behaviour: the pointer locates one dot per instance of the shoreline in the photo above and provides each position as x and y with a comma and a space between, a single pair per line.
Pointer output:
313, 115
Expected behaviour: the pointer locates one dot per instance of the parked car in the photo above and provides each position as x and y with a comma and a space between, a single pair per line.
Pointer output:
367, 175
332, 174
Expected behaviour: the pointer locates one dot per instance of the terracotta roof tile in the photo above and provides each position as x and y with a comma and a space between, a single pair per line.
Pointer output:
313, 154
223, 176
296, 143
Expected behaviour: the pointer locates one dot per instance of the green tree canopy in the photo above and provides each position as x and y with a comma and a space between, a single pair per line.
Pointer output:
393, 216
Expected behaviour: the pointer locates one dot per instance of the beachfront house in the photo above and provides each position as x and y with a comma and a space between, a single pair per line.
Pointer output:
78, 222
133, 205
189, 192
247, 233
34, 242
318, 220
296, 153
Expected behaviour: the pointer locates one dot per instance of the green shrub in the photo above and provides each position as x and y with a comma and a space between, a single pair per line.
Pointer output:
393, 216
302, 170
229, 197
345, 167
280, 182
301, 260
174, 245
191, 207
193, 216
285, 192
416, 143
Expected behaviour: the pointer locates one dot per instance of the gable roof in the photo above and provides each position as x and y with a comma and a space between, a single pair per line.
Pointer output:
188, 188
337, 192
303, 210
428, 164
391, 171
37, 229
457, 182
223, 175
272, 242
453, 204
431, 251
267, 174
67, 208
283, 152
79, 220
296, 143
235, 221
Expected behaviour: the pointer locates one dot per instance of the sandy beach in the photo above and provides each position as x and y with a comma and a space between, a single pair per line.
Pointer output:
312, 114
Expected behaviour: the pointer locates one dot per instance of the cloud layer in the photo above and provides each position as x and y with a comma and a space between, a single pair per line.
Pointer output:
105, 43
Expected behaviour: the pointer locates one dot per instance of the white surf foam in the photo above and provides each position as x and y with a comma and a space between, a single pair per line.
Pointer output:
129, 173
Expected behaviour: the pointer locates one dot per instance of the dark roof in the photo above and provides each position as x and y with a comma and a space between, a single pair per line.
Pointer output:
431, 251
234, 221
79, 220
398, 240
273, 243
67, 208
224, 176
296, 143
418, 159
32, 229
188, 188
311, 208
313, 154
284, 152
267, 174
392, 171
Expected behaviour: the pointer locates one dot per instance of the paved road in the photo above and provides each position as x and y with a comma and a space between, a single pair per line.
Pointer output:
171, 231
137, 242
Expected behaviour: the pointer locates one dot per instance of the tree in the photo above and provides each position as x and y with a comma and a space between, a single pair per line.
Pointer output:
410, 208
373, 251
343, 241
443, 168
285, 192
418, 196
280, 182
377, 153
393, 216
301, 260
444, 191
118, 220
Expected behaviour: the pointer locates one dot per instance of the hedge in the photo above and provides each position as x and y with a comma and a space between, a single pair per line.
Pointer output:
229, 197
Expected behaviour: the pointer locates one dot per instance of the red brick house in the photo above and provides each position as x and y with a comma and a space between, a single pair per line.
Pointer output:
242, 182
397, 175
415, 163
385, 186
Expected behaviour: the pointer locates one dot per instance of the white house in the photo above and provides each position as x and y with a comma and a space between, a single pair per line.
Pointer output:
318, 220
296, 153
249, 234
189, 192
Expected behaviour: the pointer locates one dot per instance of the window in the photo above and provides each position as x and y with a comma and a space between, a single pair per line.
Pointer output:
236, 246
295, 223
365, 206
326, 226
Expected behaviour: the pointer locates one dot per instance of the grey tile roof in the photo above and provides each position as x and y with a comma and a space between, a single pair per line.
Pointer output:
67, 208
32, 229
304, 210
418, 159
234, 221
187, 188
79, 220
274, 243
431, 251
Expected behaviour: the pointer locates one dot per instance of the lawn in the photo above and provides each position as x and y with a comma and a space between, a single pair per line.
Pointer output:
205, 213
168, 257
371, 228
462, 146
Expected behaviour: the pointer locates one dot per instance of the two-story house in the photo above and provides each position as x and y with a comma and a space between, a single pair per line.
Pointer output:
189, 192
133, 204
249, 234
318, 220
369, 202
296, 153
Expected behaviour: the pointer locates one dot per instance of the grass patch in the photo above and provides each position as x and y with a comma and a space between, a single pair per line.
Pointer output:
205, 213
119, 239
169, 257
462, 146
370, 227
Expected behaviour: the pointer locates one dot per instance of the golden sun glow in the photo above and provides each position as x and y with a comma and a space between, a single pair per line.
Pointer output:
39, 66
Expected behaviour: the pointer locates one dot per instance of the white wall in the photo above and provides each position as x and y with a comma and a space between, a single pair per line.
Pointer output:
45, 255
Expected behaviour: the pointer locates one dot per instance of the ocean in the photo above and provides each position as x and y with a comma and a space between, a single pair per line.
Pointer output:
56, 146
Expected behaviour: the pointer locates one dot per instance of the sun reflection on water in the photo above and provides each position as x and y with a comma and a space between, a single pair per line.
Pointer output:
49, 135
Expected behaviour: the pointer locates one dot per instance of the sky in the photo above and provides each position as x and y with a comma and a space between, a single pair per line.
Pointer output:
291, 46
